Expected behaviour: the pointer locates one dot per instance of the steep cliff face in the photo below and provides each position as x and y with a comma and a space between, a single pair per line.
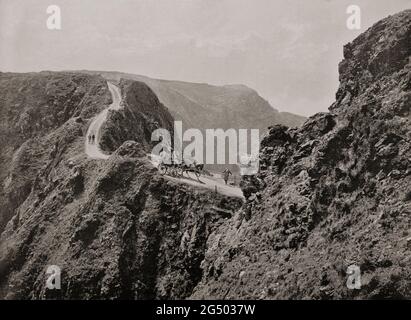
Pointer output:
333, 193
115, 227
204, 106
37, 110
141, 114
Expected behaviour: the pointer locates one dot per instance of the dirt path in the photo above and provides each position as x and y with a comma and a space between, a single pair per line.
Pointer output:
94, 151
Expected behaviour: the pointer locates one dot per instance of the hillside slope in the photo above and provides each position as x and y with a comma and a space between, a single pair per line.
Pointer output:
203, 106
331, 194
142, 114
115, 227
200, 105
35, 110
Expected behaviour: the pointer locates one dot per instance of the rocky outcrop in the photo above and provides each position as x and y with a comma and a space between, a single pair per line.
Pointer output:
140, 115
331, 194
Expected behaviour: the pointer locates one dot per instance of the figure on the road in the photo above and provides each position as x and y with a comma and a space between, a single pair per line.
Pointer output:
54, 150
226, 174
93, 139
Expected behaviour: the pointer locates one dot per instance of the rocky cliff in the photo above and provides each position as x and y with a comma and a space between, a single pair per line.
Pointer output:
331, 194
37, 111
116, 228
141, 114
204, 106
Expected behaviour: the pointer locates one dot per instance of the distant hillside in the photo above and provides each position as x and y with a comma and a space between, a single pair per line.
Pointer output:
202, 106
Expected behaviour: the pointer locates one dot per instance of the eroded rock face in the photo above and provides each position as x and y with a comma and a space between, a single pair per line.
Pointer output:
141, 114
37, 112
128, 234
115, 227
332, 193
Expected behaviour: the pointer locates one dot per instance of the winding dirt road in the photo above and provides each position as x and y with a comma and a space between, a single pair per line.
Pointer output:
93, 150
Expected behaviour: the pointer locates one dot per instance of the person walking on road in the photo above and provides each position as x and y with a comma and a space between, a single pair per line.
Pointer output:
226, 175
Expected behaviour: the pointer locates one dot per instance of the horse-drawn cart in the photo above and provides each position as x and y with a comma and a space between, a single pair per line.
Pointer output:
178, 170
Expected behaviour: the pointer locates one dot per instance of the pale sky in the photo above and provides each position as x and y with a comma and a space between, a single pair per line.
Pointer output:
287, 50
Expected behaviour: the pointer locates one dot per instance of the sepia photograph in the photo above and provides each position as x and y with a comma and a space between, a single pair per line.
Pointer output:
206, 157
